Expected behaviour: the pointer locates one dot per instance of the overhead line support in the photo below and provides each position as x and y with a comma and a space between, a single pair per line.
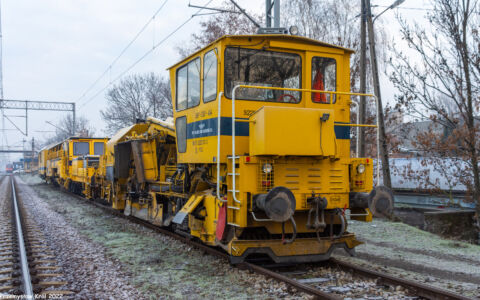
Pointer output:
36, 105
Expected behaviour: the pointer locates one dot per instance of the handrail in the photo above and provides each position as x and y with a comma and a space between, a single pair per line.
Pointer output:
234, 177
356, 125
298, 90
219, 116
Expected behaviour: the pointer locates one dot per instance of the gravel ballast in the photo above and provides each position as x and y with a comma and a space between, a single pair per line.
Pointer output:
90, 273
156, 266
110, 257
411, 253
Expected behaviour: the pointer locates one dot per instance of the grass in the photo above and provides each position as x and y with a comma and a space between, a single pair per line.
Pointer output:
160, 267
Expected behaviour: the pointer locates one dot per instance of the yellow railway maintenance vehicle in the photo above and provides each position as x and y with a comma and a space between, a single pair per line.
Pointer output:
30, 164
137, 161
50, 162
256, 160
278, 181
69, 163
42, 162
266, 161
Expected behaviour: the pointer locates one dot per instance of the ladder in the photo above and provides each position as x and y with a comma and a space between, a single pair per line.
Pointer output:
233, 206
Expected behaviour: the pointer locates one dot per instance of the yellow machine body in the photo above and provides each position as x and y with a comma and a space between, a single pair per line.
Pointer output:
42, 163
306, 143
257, 159
281, 131
62, 160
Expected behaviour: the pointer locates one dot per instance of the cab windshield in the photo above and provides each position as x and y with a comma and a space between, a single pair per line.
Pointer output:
262, 68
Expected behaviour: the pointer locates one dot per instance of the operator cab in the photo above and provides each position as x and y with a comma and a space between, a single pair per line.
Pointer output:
277, 61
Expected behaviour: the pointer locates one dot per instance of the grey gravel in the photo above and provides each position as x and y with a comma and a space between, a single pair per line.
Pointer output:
90, 273
157, 266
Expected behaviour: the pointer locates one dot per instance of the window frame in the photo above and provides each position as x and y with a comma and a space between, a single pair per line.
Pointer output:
103, 148
334, 96
177, 131
253, 100
216, 75
185, 65
75, 153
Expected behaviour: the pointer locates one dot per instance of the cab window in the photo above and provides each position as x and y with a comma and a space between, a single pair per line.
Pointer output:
81, 148
181, 131
209, 76
324, 77
188, 85
263, 68
98, 148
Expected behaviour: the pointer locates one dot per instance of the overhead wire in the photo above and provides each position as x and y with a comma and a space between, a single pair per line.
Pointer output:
123, 51
403, 7
155, 46
409, 8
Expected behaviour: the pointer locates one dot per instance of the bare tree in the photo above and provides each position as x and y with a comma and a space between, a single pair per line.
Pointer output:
217, 26
438, 79
137, 97
335, 22
64, 129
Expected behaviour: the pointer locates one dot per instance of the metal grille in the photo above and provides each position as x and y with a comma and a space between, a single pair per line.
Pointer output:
265, 181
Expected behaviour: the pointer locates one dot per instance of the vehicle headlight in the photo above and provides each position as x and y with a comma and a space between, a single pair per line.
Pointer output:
360, 168
267, 168
293, 30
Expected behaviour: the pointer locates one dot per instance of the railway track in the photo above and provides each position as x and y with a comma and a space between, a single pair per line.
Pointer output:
27, 265
312, 286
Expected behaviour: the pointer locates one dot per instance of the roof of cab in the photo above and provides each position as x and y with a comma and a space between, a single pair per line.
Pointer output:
49, 146
86, 138
285, 37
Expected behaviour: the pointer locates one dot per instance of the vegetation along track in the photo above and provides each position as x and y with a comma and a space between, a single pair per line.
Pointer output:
27, 265
366, 283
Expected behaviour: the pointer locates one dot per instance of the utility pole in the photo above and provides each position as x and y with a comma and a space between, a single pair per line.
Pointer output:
383, 147
74, 118
268, 15
363, 81
1, 57
4, 133
276, 10
269, 4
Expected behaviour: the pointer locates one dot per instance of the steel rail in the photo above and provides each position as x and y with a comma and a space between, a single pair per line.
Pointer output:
422, 290
299, 286
215, 252
27, 281
246, 265
426, 291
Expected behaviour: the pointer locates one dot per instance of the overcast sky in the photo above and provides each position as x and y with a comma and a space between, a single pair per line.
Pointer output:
54, 50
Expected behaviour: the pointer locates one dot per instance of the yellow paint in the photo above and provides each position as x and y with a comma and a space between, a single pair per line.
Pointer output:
307, 145
304, 246
302, 147
292, 131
